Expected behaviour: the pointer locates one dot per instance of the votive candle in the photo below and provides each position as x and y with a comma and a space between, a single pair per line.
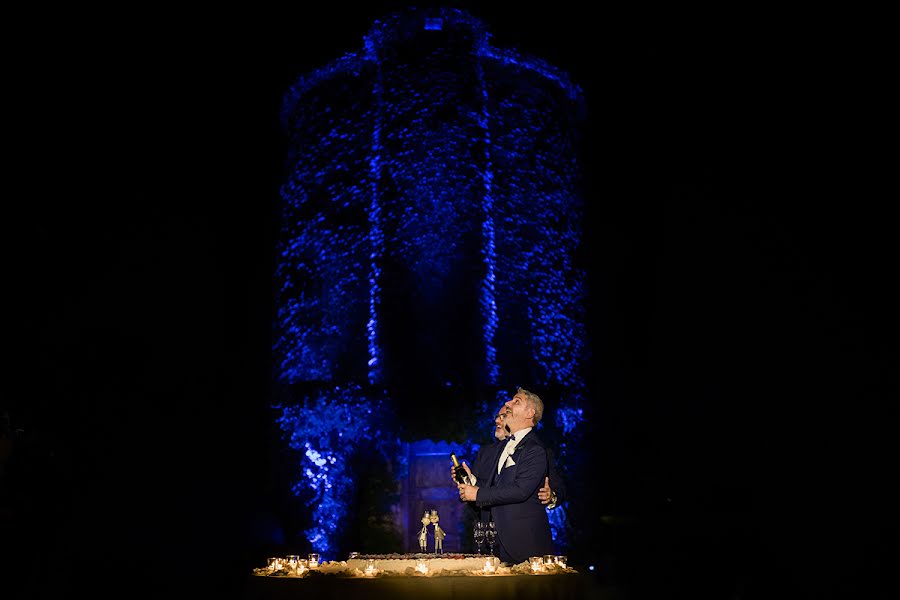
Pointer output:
292, 560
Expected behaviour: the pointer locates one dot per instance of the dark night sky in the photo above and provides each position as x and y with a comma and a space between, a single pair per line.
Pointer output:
742, 307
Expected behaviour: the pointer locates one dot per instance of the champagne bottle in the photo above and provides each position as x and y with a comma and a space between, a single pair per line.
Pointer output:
460, 472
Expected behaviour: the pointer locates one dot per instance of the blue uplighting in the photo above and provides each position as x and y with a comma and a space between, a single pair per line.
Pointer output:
376, 245
567, 418
558, 527
325, 429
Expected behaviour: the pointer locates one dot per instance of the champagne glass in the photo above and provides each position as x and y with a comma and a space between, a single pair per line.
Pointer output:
491, 534
479, 535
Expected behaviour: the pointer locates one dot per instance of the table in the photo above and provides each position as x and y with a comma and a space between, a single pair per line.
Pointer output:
570, 586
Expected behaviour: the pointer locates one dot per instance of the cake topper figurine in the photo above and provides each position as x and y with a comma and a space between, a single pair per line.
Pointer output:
423, 533
438, 533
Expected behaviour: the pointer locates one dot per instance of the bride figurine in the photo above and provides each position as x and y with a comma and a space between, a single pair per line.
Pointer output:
423, 533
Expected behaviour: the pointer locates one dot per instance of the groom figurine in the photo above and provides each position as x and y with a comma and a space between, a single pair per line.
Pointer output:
439, 534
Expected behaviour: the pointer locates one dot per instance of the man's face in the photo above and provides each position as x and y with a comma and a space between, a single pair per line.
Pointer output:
500, 424
519, 412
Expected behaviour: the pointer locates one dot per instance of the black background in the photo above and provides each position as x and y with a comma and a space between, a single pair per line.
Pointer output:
741, 262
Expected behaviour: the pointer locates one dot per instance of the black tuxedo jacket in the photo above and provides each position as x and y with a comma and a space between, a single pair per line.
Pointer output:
523, 529
484, 465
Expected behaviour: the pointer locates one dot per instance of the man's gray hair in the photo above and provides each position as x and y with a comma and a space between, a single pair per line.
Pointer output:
536, 403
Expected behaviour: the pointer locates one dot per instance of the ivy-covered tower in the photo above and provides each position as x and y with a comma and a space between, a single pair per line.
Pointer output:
430, 223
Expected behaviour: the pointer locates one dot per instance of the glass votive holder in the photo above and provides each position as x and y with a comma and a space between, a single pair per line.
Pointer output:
291, 561
421, 566
535, 563
313, 560
272, 563
549, 560
302, 566
370, 567
354, 555
490, 564
562, 561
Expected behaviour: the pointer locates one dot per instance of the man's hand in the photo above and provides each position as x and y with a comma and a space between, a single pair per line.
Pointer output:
468, 493
464, 466
468, 471
545, 494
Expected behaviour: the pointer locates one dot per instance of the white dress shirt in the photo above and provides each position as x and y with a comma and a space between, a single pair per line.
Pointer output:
511, 447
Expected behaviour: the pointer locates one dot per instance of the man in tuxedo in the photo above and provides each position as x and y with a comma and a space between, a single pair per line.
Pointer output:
511, 487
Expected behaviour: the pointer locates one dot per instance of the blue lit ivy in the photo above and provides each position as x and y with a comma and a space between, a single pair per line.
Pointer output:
326, 429
558, 525
409, 163
567, 418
